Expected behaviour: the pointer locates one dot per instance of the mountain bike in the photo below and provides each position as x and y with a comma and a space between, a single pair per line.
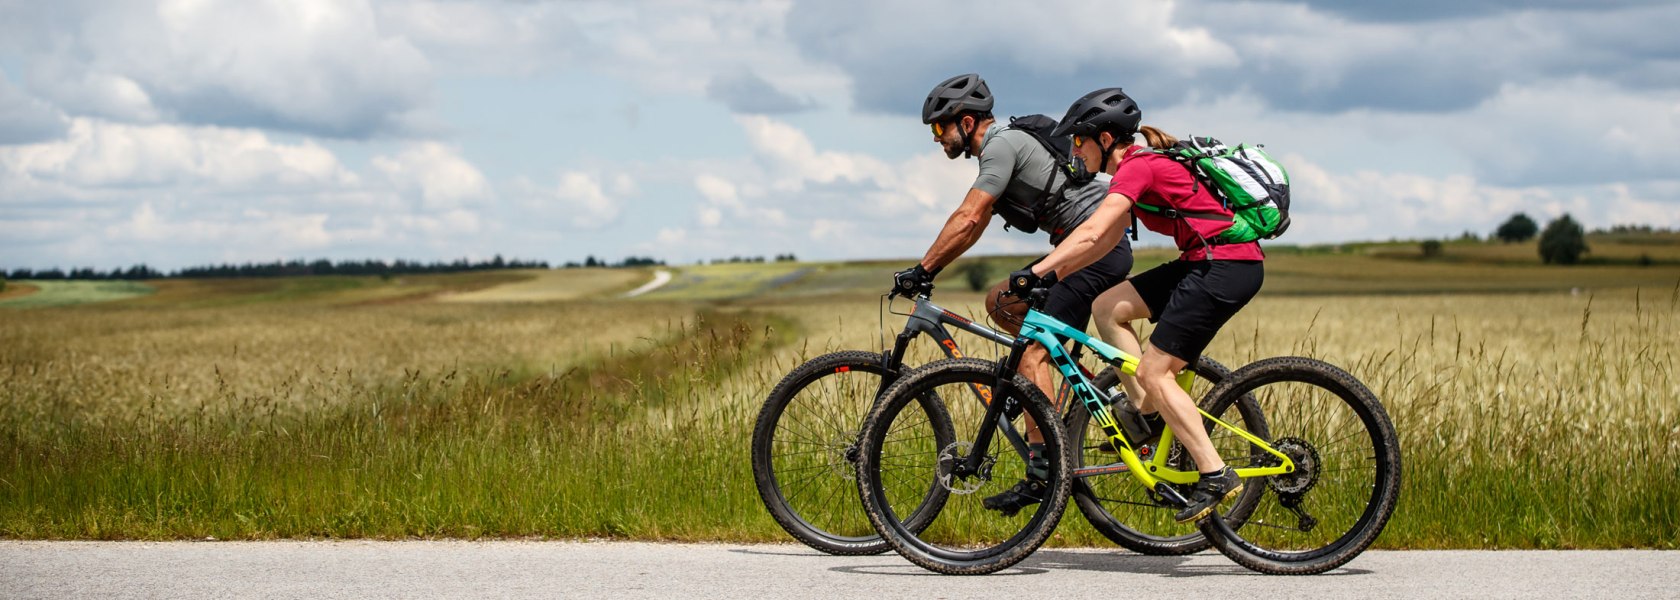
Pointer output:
805, 438
1322, 475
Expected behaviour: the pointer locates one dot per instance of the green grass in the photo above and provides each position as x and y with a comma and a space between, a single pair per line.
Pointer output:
66, 293
621, 447
326, 289
354, 407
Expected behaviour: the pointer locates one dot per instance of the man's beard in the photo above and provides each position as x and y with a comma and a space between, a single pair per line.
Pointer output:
952, 151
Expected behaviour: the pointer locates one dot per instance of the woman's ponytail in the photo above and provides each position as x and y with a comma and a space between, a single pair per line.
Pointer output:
1157, 139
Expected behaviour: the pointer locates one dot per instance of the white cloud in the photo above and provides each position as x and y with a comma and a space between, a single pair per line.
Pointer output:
25, 118
99, 155
717, 190
664, 48
578, 200
669, 236
437, 173
790, 193
252, 230
316, 66
580, 194
1330, 207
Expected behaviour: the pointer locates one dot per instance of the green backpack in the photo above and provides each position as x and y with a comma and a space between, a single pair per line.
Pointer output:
1245, 179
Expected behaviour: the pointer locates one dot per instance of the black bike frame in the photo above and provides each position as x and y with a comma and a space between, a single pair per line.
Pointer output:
929, 319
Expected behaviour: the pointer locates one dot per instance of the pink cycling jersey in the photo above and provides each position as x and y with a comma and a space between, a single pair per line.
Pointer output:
1156, 180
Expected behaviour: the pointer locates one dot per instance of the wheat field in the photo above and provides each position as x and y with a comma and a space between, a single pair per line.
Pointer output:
1540, 419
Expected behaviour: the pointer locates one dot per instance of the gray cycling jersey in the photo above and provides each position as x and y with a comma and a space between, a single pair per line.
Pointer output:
1016, 169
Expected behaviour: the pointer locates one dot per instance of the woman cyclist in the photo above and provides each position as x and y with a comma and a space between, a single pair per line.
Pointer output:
1189, 299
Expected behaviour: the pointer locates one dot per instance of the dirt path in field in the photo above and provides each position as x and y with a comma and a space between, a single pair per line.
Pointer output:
453, 569
660, 278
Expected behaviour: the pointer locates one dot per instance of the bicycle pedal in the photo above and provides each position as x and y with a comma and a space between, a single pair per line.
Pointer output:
1170, 495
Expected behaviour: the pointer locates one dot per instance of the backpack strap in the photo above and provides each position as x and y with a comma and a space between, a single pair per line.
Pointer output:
1173, 213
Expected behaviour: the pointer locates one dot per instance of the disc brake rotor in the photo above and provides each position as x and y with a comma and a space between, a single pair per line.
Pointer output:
953, 455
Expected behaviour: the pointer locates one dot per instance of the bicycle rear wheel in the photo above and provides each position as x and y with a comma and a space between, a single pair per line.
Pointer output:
965, 538
1347, 469
1129, 514
803, 450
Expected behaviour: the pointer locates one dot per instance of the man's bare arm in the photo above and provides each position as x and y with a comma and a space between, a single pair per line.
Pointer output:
961, 231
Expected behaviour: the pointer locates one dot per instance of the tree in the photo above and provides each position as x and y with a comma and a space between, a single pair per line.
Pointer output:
1431, 248
1563, 242
1519, 228
977, 276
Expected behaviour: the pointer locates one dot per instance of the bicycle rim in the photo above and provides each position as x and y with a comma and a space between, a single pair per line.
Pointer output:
804, 451
1347, 475
1124, 511
965, 537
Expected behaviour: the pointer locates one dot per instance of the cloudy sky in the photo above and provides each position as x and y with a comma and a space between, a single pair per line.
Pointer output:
186, 132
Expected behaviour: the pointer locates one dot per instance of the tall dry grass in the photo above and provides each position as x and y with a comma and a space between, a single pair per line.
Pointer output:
1543, 420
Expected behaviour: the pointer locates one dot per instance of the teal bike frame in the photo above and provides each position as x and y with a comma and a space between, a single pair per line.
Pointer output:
1044, 330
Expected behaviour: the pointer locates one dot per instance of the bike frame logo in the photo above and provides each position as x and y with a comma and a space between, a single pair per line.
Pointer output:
951, 347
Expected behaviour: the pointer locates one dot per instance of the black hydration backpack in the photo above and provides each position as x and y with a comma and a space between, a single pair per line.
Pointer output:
1070, 169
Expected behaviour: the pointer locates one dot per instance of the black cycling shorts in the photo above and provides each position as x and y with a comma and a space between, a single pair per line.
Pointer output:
1070, 299
1190, 300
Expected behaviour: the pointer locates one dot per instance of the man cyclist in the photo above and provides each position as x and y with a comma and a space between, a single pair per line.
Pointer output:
1021, 181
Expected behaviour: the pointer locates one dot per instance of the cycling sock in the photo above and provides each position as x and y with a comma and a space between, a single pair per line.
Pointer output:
1038, 466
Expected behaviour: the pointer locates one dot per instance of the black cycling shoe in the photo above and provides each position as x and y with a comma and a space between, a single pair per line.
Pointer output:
1209, 492
1026, 492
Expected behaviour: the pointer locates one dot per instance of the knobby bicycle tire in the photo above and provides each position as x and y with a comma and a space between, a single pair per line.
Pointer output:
830, 439
1093, 500
955, 554
1385, 468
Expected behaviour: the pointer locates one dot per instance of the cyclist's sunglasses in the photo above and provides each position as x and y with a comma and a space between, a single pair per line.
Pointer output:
938, 130
1078, 141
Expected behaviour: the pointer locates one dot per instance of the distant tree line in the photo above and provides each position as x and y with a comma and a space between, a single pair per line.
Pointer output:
753, 259
1631, 229
348, 267
284, 269
629, 261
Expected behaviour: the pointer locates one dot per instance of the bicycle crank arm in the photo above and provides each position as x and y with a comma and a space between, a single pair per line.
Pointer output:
1170, 495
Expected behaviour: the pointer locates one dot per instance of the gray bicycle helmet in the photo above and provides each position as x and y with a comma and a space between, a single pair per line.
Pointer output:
1107, 109
955, 96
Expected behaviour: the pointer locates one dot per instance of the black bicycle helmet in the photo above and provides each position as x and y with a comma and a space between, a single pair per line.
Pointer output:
1107, 109
955, 96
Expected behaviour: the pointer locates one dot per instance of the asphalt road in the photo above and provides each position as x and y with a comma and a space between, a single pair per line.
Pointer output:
451, 569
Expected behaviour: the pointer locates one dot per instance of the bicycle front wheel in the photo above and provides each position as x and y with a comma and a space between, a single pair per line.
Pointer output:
1128, 513
1347, 469
967, 537
804, 448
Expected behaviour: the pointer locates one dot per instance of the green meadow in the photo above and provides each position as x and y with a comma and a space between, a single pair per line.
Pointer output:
545, 404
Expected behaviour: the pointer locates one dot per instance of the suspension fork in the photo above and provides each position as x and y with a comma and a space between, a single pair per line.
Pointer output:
996, 410
893, 360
